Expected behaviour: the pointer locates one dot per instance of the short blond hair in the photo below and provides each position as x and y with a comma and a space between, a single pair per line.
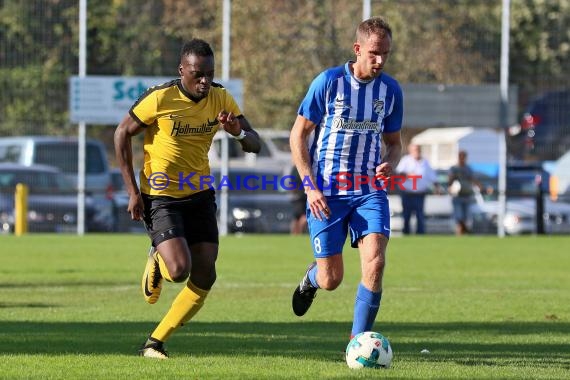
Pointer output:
374, 25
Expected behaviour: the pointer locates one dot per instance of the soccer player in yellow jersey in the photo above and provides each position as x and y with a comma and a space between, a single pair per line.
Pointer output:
179, 120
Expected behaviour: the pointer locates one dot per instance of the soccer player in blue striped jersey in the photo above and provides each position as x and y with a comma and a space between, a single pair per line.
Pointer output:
336, 142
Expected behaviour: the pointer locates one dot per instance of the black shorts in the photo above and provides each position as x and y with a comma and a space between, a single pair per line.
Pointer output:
192, 217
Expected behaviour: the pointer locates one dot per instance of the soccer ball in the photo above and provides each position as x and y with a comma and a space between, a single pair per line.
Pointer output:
369, 350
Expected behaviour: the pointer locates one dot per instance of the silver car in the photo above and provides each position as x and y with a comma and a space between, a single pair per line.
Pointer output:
527, 192
52, 201
259, 200
520, 217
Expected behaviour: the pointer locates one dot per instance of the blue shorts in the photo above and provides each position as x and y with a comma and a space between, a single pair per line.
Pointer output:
362, 214
462, 208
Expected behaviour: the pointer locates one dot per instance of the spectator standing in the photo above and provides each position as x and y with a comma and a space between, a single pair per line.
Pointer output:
460, 181
420, 177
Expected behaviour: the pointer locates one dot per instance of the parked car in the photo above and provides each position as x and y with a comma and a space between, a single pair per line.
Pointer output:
122, 221
524, 180
544, 130
61, 152
560, 178
277, 142
274, 154
520, 217
52, 201
527, 185
255, 205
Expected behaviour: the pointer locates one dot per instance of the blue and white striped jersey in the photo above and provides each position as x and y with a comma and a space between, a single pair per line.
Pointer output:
350, 116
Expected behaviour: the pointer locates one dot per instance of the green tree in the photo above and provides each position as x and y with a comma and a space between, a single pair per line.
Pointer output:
35, 63
277, 47
540, 45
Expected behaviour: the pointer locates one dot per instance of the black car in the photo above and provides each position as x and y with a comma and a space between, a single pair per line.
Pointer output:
259, 200
524, 180
52, 201
122, 221
544, 130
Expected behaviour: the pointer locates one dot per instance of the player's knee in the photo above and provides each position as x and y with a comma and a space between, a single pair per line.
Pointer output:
330, 282
179, 273
377, 263
181, 278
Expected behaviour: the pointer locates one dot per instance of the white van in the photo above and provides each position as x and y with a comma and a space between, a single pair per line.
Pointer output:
274, 154
60, 152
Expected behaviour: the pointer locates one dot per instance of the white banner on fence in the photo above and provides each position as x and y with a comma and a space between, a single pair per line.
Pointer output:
106, 99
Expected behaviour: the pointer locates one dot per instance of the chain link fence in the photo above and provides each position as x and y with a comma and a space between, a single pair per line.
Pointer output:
276, 49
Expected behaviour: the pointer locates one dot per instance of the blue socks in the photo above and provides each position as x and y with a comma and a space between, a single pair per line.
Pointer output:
365, 309
313, 277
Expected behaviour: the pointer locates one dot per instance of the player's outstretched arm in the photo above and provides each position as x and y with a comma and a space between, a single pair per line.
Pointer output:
241, 130
128, 128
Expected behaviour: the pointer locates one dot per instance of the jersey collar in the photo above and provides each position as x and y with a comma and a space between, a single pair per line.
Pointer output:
350, 73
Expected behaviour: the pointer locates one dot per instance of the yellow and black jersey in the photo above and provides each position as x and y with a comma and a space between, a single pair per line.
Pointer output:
178, 136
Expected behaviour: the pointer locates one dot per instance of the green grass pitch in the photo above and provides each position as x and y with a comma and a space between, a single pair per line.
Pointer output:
484, 307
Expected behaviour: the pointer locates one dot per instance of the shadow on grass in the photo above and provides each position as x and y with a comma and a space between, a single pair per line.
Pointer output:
306, 340
32, 305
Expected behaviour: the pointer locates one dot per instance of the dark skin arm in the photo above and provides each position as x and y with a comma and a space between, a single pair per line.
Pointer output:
126, 129
234, 125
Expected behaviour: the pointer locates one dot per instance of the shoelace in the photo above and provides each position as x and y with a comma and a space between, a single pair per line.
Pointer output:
156, 275
308, 291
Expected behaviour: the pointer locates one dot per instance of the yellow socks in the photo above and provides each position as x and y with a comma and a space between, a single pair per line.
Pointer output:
185, 306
